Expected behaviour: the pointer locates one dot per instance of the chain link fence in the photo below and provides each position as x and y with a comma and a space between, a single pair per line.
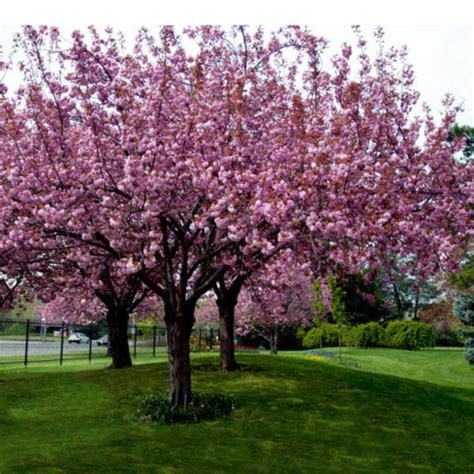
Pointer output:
27, 342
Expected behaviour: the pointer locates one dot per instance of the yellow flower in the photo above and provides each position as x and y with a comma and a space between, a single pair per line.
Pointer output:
317, 358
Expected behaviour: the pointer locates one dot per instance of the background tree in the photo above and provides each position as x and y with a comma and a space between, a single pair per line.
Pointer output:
464, 310
362, 297
463, 280
276, 299
465, 132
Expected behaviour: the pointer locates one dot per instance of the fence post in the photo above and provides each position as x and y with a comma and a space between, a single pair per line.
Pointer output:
199, 344
61, 352
90, 342
27, 339
211, 338
154, 340
135, 343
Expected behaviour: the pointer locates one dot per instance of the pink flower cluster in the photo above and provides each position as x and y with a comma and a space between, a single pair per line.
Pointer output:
161, 169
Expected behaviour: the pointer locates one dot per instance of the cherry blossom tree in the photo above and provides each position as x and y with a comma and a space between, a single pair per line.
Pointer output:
101, 157
206, 311
375, 183
279, 297
80, 298
70, 307
183, 170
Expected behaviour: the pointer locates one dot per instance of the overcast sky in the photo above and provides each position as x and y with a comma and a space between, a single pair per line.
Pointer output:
440, 42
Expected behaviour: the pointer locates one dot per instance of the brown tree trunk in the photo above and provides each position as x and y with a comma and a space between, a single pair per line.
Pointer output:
227, 296
417, 301
398, 301
274, 341
179, 364
226, 308
179, 323
118, 338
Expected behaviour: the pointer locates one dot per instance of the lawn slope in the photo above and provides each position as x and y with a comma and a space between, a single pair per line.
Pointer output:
294, 415
443, 366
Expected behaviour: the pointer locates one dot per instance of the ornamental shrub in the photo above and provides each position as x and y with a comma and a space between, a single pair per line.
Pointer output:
157, 408
448, 337
365, 335
469, 350
409, 335
464, 310
326, 335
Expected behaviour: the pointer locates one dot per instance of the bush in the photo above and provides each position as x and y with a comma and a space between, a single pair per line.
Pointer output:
157, 408
469, 349
324, 336
289, 339
196, 346
252, 339
448, 337
464, 309
469, 356
409, 335
365, 335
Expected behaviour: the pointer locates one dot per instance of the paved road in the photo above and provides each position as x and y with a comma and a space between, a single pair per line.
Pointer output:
9, 348
16, 348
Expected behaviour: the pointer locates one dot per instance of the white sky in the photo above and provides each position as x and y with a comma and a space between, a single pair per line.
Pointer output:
440, 38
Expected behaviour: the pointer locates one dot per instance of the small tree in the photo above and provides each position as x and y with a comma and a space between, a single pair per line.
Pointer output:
274, 300
332, 296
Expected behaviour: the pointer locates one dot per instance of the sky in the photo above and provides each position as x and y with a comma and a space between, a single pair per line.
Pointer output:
439, 39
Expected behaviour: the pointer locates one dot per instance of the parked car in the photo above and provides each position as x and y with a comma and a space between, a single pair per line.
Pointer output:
78, 338
103, 341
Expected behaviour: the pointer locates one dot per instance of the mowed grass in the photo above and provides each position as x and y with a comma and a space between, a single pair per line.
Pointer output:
443, 366
294, 415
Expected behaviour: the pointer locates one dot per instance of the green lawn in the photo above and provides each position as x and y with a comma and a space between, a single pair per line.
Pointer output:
443, 366
295, 415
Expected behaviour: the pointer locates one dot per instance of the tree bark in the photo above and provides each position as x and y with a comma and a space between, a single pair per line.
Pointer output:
179, 323
415, 311
118, 338
179, 364
226, 307
398, 301
226, 297
274, 341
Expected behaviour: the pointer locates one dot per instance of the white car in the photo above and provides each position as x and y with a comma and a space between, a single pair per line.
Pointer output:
78, 337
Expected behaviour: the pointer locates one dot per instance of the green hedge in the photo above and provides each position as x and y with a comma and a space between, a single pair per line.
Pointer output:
410, 335
326, 335
365, 335
448, 337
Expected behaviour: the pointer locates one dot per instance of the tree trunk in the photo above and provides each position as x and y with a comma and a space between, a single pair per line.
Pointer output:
398, 301
274, 341
118, 339
226, 297
179, 326
226, 308
415, 311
